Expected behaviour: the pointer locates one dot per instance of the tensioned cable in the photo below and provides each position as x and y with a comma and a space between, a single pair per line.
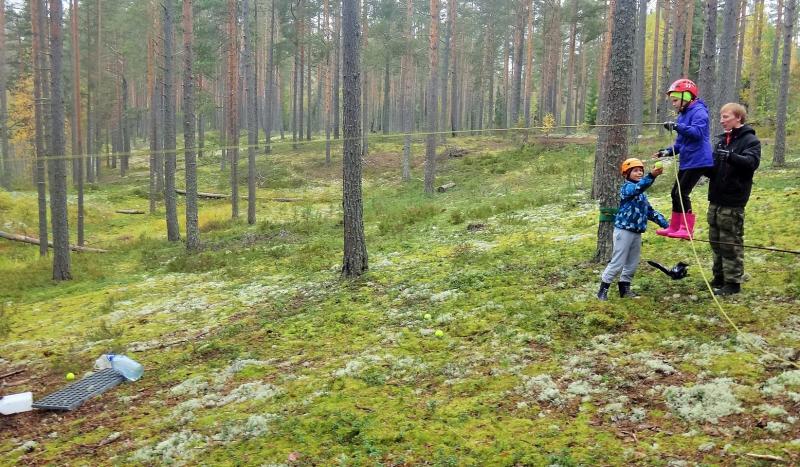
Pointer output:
294, 144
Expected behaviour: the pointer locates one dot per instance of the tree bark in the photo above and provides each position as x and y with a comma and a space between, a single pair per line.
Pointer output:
38, 14
742, 29
170, 201
58, 186
354, 261
407, 98
77, 148
5, 164
252, 118
365, 84
638, 72
654, 76
269, 104
727, 59
516, 78
707, 77
454, 89
569, 117
433, 101
616, 147
528, 89
663, 104
776, 44
233, 106
337, 68
779, 152
155, 113
678, 39
687, 45
755, 59
189, 125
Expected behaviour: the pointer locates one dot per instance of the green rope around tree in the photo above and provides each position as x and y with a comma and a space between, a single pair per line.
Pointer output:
608, 214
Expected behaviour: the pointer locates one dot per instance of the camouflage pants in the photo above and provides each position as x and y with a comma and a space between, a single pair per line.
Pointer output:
726, 226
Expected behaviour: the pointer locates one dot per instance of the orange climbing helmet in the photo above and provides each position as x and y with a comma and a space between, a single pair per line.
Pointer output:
629, 164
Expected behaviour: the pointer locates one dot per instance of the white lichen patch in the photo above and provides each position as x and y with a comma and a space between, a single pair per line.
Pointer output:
253, 427
445, 295
706, 402
177, 449
191, 387
777, 385
542, 388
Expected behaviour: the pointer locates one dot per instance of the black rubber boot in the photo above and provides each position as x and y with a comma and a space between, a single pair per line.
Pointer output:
730, 288
602, 294
718, 282
625, 290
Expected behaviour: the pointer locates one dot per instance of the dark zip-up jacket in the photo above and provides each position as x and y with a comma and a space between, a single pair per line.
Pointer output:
731, 180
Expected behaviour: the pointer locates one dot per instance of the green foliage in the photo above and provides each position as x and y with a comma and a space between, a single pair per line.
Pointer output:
5, 322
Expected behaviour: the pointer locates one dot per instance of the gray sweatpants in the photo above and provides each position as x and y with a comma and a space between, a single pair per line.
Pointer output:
625, 257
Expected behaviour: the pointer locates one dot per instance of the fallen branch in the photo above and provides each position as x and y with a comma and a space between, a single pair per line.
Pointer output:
766, 457
129, 211
204, 195
12, 373
35, 241
445, 187
201, 194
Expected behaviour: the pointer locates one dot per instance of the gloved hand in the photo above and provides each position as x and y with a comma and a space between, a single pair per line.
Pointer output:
722, 155
670, 126
662, 153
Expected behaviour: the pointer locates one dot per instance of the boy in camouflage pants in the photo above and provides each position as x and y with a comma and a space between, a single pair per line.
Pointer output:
737, 155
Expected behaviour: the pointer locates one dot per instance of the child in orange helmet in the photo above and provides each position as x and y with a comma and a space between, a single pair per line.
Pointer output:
629, 224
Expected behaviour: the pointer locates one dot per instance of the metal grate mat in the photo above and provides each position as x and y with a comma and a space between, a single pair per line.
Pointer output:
72, 396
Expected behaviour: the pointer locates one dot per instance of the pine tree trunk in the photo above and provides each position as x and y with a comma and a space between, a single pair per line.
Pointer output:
170, 201
38, 14
454, 76
637, 101
58, 166
779, 152
125, 129
406, 96
154, 93
516, 78
269, 104
336, 69
77, 148
189, 125
569, 117
616, 145
528, 89
776, 44
430, 140
707, 76
687, 45
5, 163
742, 32
98, 139
233, 107
365, 84
654, 76
663, 104
252, 118
727, 52
678, 39
354, 261
755, 59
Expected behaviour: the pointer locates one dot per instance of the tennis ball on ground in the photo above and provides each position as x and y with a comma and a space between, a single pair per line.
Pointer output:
427, 316
439, 333
70, 376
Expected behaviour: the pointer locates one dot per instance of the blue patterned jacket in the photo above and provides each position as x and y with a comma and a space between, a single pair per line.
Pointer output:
634, 208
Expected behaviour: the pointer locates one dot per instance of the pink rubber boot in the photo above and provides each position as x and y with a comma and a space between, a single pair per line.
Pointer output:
674, 222
685, 230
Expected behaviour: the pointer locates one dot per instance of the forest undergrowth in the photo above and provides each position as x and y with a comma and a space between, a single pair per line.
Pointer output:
257, 353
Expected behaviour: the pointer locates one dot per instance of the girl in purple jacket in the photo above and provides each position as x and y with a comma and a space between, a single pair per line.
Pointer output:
693, 143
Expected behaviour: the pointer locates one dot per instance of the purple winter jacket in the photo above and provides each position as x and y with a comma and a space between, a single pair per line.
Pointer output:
693, 142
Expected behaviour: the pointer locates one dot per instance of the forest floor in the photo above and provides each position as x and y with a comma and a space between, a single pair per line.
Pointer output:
257, 353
